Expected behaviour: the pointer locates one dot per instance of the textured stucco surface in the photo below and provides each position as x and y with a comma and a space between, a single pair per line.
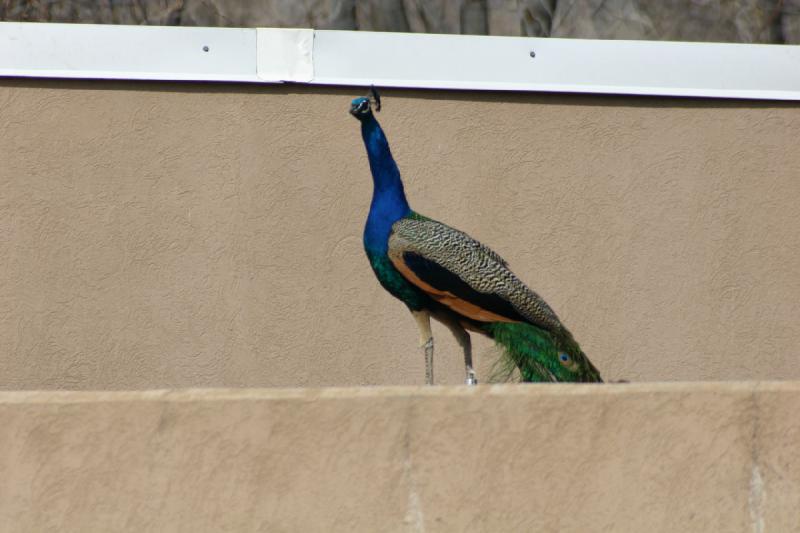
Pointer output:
186, 235
623, 458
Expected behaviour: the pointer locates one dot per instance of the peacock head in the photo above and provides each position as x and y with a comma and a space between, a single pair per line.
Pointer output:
361, 108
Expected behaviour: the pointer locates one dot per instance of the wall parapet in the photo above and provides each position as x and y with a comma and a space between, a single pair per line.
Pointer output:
633, 457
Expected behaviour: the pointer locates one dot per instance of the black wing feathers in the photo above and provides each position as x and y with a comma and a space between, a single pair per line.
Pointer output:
442, 279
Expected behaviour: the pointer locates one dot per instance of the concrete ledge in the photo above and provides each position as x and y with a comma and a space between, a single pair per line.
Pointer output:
664, 457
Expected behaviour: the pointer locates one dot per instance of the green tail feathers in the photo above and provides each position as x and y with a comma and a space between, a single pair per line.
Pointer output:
541, 355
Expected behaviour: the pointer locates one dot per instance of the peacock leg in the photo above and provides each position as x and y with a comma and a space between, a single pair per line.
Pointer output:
467, 346
464, 340
423, 319
429, 361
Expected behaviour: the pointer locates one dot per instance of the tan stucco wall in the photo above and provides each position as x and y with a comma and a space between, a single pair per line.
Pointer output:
622, 458
169, 235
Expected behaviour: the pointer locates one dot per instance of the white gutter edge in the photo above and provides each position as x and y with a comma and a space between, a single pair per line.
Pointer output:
285, 55
127, 52
558, 65
322, 57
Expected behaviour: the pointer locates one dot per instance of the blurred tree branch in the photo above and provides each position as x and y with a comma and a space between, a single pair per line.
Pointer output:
756, 21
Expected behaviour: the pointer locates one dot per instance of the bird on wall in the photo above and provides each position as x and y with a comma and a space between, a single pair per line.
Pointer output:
442, 273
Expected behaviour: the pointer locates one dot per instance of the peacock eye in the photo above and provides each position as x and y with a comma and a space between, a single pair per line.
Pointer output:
563, 357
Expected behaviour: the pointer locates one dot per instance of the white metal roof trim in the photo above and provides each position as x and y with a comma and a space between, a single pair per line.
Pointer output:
270, 55
127, 52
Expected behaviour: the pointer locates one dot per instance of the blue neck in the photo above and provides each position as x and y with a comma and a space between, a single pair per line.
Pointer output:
388, 198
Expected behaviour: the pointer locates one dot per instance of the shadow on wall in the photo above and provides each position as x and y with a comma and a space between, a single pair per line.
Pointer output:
746, 21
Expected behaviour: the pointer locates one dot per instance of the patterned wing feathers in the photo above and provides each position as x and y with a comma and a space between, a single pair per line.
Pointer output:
463, 274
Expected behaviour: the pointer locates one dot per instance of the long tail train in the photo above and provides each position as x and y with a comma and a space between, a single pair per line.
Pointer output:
540, 355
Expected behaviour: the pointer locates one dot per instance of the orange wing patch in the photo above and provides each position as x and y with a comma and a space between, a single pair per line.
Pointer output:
448, 299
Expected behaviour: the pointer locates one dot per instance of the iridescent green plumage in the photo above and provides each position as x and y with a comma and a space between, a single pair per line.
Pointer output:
533, 351
394, 283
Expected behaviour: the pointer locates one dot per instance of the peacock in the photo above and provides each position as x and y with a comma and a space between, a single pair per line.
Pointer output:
442, 273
